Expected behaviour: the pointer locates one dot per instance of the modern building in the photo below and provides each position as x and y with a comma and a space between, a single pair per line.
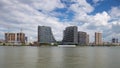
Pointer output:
87, 39
15, 37
98, 38
70, 35
114, 40
83, 38
26, 39
45, 35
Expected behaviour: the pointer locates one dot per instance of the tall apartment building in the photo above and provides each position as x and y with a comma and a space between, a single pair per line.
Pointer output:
15, 37
83, 38
114, 40
70, 35
45, 35
87, 39
98, 38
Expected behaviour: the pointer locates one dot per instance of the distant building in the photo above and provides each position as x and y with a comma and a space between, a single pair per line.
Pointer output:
87, 39
70, 35
114, 40
83, 38
10, 37
45, 35
21, 37
15, 37
26, 39
98, 38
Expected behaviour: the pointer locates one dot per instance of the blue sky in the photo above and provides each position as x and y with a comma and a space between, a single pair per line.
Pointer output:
104, 5
99, 7
89, 15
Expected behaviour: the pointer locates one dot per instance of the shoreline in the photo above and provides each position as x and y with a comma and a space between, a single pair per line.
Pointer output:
57, 46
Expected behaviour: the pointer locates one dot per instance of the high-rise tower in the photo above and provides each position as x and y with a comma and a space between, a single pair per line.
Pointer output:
45, 35
70, 35
98, 38
83, 38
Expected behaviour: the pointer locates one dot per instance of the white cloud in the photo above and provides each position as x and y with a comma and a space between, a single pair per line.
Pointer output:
81, 6
113, 32
115, 12
114, 24
96, 1
93, 21
44, 5
115, 19
17, 14
100, 22
101, 19
116, 27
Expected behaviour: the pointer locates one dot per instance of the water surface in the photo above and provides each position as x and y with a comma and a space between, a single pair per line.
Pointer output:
55, 57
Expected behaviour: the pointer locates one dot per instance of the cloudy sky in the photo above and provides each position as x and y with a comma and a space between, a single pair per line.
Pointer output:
89, 15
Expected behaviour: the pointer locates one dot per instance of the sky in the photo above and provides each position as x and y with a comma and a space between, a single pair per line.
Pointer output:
89, 15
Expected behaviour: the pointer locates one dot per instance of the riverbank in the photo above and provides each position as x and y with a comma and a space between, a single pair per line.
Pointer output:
63, 45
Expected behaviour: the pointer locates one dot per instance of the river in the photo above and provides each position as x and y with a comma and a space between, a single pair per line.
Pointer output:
56, 57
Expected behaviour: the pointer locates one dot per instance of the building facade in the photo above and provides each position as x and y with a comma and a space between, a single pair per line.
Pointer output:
114, 40
98, 38
45, 35
21, 37
87, 39
70, 35
83, 38
15, 37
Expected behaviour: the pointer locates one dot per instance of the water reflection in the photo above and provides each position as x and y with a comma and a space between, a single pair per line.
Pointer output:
54, 57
